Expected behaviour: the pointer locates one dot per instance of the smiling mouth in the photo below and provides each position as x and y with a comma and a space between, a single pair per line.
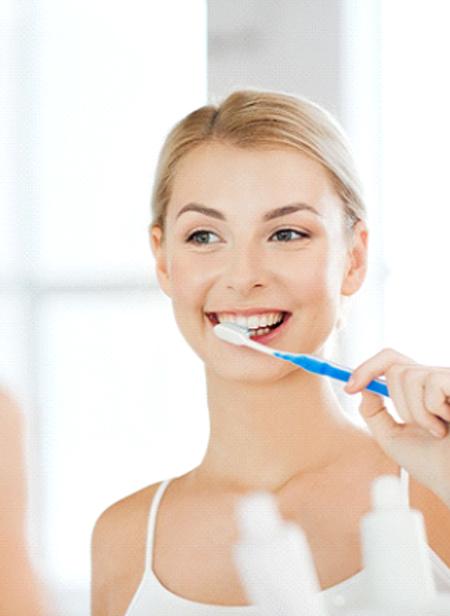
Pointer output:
254, 332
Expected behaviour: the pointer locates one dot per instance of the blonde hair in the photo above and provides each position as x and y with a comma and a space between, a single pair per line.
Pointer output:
254, 119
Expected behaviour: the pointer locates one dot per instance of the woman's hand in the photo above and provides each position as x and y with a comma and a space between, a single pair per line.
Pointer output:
421, 396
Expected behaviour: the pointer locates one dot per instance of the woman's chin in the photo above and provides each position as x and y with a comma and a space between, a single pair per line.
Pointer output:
260, 370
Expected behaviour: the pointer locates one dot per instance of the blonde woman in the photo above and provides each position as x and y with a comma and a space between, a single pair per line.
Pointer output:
258, 215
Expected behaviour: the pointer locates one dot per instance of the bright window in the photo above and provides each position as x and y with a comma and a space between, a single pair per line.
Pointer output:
86, 339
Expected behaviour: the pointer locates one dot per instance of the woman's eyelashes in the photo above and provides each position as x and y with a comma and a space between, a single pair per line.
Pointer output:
282, 235
201, 236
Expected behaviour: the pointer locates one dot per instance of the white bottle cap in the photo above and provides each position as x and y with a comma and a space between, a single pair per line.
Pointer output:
257, 515
387, 493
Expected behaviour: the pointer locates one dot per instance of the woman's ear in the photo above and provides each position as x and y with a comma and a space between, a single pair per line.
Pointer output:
356, 263
158, 247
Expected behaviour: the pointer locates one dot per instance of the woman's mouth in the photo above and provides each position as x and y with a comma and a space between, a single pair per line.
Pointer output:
261, 329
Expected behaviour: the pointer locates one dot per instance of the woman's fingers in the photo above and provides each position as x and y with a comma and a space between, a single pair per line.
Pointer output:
421, 394
391, 364
395, 375
376, 366
437, 392
414, 389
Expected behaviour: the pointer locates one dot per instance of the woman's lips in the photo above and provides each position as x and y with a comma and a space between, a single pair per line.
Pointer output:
270, 335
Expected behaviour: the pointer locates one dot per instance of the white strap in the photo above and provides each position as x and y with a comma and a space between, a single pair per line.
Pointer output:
152, 522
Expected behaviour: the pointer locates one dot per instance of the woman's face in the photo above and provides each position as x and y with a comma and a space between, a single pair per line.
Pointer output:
259, 232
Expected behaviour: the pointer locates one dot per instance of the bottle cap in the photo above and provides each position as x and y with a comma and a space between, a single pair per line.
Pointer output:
387, 493
257, 515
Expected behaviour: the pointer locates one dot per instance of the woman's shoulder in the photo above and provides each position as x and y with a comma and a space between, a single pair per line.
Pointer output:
126, 510
118, 551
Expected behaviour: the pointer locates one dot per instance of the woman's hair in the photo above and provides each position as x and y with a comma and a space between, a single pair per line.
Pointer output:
254, 119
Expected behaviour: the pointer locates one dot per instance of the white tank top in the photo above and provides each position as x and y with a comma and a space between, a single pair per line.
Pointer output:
153, 599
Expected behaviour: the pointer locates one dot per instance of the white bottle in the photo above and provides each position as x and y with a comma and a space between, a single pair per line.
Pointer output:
274, 560
395, 550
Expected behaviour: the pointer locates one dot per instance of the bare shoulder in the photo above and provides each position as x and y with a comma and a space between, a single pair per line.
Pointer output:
437, 518
118, 552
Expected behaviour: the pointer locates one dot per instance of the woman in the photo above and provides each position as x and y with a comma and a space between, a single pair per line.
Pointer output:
258, 215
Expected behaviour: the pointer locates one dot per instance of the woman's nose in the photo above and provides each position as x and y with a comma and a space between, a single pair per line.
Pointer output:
245, 270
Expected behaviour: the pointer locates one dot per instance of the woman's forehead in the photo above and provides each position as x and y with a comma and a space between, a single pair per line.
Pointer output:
218, 172
229, 159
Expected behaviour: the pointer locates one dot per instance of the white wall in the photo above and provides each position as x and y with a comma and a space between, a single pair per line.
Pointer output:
290, 45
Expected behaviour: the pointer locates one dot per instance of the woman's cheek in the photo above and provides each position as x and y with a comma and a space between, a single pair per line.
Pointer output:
318, 297
312, 280
186, 287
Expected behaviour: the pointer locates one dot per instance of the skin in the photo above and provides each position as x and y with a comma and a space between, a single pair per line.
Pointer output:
270, 421
20, 590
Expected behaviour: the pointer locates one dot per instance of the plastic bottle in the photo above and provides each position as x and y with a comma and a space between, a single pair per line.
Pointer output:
395, 551
274, 560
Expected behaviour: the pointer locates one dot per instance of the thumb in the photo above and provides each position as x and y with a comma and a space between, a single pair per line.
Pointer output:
380, 423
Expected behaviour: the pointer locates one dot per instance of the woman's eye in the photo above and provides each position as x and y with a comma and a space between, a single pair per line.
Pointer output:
285, 235
200, 237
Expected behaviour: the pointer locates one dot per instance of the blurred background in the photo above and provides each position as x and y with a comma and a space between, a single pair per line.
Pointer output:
88, 92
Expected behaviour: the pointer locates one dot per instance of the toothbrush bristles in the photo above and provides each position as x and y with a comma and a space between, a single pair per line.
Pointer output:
232, 332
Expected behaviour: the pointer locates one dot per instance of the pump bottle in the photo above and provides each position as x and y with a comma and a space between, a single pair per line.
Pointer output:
395, 550
274, 560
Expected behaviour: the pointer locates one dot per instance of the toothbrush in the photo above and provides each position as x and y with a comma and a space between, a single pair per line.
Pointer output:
236, 334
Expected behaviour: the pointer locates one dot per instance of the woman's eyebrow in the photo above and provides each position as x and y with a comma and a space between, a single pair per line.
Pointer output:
275, 213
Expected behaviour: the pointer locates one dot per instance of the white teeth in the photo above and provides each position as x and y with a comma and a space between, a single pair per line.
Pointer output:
253, 321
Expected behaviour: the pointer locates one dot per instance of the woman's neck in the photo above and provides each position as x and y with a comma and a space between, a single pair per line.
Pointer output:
263, 435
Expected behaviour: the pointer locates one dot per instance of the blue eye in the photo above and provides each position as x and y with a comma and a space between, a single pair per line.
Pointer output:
202, 236
285, 235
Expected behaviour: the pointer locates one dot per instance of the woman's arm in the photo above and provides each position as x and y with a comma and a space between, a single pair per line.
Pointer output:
99, 568
20, 591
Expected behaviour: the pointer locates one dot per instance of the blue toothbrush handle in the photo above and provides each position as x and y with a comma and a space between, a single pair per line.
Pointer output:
343, 374
319, 366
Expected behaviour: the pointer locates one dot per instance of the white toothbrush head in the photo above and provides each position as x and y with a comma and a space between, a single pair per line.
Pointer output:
236, 334
231, 332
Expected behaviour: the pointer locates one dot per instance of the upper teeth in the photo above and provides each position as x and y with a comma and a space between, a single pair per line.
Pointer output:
252, 322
